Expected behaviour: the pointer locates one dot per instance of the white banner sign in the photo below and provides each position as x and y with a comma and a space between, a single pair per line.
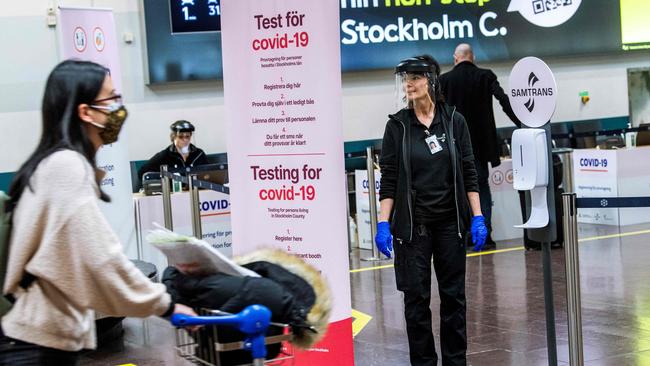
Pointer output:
215, 221
89, 34
282, 93
595, 175
361, 191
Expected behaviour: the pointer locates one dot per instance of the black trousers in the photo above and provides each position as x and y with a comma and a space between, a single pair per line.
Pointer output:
413, 274
18, 353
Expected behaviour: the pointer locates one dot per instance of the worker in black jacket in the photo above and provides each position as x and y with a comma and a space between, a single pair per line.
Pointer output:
470, 89
428, 197
180, 154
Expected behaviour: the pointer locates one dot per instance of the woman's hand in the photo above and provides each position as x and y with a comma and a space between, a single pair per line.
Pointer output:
383, 238
186, 310
479, 232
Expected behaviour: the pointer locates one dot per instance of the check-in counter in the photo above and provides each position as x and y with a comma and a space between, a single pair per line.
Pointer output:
215, 218
506, 211
612, 173
596, 173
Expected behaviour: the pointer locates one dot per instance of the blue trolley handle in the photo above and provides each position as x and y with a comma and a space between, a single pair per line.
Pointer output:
253, 321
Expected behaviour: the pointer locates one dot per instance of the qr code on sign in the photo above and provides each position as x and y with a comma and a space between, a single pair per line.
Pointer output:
540, 6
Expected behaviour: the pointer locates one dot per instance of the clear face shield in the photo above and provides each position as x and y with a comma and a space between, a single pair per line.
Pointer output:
413, 89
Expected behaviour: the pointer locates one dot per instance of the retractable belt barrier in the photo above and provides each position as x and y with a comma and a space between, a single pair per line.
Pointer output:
619, 131
197, 182
614, 132
194, 184
612, 202
571, 204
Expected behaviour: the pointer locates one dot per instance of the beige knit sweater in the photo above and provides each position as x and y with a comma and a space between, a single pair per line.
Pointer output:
60, 236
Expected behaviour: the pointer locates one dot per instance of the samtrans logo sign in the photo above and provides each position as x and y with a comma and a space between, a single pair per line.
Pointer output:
532, 92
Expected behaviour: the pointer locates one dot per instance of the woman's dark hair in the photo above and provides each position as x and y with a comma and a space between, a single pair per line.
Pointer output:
71, 83
435, 92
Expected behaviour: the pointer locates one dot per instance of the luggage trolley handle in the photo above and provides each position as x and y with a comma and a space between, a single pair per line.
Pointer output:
253, 321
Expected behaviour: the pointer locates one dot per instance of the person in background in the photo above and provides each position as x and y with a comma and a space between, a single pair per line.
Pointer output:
428, 197
180, 154
65, 261
470, 89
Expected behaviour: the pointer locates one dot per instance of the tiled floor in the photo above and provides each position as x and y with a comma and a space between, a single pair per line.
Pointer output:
506, 322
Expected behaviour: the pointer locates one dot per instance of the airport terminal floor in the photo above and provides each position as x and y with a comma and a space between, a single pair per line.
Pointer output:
505, 312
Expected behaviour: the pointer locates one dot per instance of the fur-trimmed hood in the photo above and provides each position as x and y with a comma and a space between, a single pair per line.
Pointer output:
319, 314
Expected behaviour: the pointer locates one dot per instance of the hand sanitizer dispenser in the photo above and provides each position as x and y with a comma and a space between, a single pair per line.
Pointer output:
530, 172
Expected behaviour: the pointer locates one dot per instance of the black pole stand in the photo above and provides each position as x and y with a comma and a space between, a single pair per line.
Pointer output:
551, 344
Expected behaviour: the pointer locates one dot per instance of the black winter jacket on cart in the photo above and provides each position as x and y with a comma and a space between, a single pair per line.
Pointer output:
395, 167
288, 297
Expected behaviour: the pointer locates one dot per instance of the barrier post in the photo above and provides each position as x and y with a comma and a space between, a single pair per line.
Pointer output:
549, 306
167, 199
568, 172
347, 211
372, 196
571, 251
194, 205
566, 154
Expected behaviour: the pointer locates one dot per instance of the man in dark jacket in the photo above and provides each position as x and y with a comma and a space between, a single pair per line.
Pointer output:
180, 154
470, 89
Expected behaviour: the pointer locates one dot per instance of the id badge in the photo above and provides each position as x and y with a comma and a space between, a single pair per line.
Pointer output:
433, 144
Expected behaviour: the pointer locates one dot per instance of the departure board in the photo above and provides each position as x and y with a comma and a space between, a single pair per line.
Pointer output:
189, 16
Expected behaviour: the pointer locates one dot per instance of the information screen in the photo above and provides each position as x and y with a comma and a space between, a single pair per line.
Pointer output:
635, 27
376, 34
189, 16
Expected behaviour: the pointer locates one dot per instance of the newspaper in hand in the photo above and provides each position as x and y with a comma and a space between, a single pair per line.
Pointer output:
193, 256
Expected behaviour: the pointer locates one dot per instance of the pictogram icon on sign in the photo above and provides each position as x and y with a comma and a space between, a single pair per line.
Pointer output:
80, 40
99, 40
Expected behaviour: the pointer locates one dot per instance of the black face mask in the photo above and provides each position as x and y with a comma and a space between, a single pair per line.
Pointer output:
115, 116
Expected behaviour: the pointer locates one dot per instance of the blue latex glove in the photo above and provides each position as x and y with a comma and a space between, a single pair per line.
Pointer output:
383, 238
479, 232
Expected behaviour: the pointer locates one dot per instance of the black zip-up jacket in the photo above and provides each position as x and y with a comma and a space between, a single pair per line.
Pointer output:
395, 167
173, 160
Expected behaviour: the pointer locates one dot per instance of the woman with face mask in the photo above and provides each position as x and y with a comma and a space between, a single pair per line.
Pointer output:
180, 154
65, 261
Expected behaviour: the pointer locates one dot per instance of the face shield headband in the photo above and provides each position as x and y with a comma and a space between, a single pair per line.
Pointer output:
415, 83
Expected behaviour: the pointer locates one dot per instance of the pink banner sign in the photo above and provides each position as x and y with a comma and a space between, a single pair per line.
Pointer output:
282, 91
89, 34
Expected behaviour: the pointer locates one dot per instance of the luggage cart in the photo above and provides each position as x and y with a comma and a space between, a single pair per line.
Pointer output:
202, 347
